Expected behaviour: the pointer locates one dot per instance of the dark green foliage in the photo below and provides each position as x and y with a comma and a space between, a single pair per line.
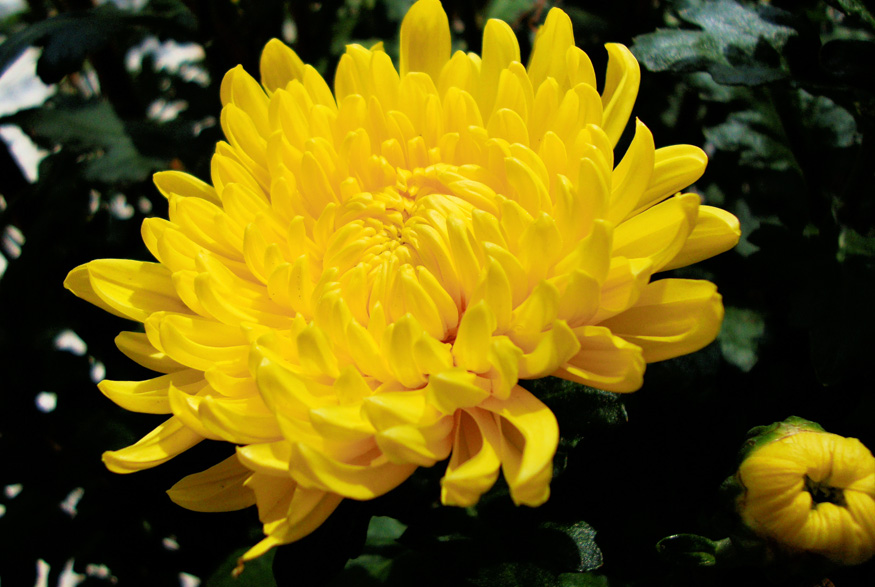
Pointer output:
736, 44
781, 96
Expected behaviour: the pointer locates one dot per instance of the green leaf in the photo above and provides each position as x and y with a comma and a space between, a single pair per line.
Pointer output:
582, 580
56, 34
67, 39
757, 137
852, 243
855, 8
733, 42
507, 10
93, 130
381, 550
588, 555
827, 124
740, 337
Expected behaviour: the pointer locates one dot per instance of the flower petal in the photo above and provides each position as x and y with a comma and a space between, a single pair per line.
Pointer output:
159, 446
672, 317
621, 90
674, 168
130, 289
474, 464
136, 346
315, 470
150, 396
715, 232
552, 42
659, 233
529, 437
604, 361
218, 489
425, 39
279, 65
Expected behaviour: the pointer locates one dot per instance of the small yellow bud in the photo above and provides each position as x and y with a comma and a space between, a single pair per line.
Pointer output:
812, 491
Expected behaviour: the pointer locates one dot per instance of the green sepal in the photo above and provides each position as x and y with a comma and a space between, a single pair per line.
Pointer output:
760, 436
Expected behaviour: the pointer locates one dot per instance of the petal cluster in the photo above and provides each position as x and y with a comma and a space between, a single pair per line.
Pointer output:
812, 491
373, 269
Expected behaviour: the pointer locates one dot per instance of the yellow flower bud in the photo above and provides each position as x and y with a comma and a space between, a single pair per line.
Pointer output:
812, 491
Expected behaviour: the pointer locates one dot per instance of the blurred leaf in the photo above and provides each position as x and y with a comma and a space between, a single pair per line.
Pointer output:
757, 136
508, 10
86, 30
583, 580
855, 8
853, 243
828, 125
740, 335
380, 551
90, 128
735, 44
384, 531
67, 39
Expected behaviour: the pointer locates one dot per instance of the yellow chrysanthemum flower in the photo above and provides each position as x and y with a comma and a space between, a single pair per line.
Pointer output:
374, 269
812, 491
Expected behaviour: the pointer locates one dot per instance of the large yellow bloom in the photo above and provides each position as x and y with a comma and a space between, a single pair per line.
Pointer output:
812, 491
372, 271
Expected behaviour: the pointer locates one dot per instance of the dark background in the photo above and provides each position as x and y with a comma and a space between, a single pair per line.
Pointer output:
779, 94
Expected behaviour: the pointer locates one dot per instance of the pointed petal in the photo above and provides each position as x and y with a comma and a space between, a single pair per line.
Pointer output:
455, 388
420, 445
631, 176
279, 65
270, 458
183, 184
675, 167
130, 289
298, 513
500, 49
553, 40
716, 231
136, 346
239, 420
555, 347
672, 317
471, 347
159, 446
660, 232
474, 464
604, 361
150, 396
621, 89
529, 437
315, 470
425, 39
218, 489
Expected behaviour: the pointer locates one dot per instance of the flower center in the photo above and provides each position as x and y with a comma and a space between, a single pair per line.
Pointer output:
823, 493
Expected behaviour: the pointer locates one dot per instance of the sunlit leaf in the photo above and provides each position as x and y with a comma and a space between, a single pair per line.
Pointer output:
740, 336
93, 129
856, 8
736, 44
